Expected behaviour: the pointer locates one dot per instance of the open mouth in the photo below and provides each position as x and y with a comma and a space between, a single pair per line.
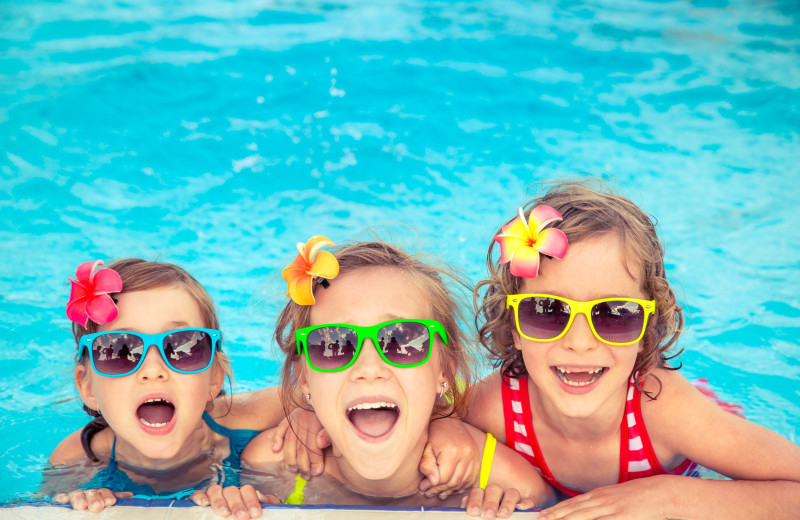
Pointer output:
578, 378
155, 413
373, 419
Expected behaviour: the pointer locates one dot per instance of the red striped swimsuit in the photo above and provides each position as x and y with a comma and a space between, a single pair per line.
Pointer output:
637, 458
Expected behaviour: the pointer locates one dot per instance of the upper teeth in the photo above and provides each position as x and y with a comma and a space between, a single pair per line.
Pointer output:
565, 371
156, 400
369, 406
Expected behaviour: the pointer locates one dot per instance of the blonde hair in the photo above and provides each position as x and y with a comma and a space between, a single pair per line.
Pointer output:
141, 275
589, 210
455, 360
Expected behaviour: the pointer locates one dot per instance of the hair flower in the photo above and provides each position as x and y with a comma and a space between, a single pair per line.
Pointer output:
309, 263
521, 241
89, 297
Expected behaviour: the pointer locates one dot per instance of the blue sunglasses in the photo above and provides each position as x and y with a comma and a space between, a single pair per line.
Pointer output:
119, 353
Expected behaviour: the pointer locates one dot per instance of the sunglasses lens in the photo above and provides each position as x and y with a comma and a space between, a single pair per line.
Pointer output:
542, 318
116, 353
331, 348
618, 321
189, 350
405, 343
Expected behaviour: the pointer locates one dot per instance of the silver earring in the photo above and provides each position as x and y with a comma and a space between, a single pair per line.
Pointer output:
308, 397
444, 389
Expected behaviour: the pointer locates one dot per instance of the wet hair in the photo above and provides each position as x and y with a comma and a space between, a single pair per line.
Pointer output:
141, 275
444, 307
589, 210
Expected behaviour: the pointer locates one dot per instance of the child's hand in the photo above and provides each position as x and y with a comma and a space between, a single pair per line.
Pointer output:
244, 502
92, 499
450, 460
494, 502
302, 443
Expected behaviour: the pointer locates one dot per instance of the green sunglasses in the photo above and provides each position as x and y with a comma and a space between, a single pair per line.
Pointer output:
401, 343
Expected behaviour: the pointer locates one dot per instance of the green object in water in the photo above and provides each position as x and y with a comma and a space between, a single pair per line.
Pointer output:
296, 497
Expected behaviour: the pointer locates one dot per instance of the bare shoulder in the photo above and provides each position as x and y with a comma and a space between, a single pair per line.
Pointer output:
259, 455
70, 450
485, 407
257, 410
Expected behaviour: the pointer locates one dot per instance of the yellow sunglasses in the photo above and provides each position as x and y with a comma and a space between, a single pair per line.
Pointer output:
616, 321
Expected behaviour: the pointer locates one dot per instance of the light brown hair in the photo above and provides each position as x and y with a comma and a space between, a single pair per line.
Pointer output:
589, 210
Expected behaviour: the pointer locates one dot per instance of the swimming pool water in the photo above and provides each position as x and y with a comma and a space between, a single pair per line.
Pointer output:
217, 135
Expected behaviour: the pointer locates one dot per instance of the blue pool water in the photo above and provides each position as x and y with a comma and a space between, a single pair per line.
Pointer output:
217, 134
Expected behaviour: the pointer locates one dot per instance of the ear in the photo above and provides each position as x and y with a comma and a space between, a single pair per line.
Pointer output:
302, 377
217, 380
84, 384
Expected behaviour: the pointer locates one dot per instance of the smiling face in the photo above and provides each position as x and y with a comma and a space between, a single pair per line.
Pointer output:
376, 414
578, 374
154, 410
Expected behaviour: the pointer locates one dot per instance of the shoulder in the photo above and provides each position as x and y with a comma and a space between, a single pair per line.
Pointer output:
257, 410
485, 410
70, 449
259, 455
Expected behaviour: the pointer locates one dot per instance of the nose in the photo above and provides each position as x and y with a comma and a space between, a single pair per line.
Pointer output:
369, 364
153, 367
579, 337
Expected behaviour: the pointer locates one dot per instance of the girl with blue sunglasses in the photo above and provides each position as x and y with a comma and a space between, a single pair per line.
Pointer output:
150, 362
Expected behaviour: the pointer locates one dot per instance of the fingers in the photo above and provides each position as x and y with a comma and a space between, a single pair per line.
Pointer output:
429, 468
280, 433
491, 501
200, 498
217, 501
303, 460
250, 497
323, 439
510, 502
92, 499
475, 502
267, 499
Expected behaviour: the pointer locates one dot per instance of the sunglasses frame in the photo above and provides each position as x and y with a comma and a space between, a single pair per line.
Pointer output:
371, 332
156, 340
579, 307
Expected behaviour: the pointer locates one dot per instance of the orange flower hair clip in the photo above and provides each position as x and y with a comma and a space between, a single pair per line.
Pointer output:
521, 241
311, 262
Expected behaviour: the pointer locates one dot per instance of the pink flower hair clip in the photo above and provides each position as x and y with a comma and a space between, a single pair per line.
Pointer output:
310, 263
521, 241
89, 298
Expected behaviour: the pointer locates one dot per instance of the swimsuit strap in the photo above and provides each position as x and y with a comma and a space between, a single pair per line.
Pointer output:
486, 461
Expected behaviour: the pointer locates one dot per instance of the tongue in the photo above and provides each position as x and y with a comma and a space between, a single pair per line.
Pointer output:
374, 422
579, 377
156, 413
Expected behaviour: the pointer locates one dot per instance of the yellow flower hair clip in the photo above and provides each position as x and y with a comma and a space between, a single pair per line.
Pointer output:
311, 262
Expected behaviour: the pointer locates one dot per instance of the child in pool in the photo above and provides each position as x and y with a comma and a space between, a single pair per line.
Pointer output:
148, 368
579, 343
376, 404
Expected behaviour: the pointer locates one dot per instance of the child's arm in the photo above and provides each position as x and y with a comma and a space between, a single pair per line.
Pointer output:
302, 438
682, 423
244, 501
513, 483
450, 461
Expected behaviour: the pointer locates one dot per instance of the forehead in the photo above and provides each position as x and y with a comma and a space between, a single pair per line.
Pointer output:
369, 296
156, 310
593, 268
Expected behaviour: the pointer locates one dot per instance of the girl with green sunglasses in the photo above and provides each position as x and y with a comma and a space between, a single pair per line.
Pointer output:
376, 359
